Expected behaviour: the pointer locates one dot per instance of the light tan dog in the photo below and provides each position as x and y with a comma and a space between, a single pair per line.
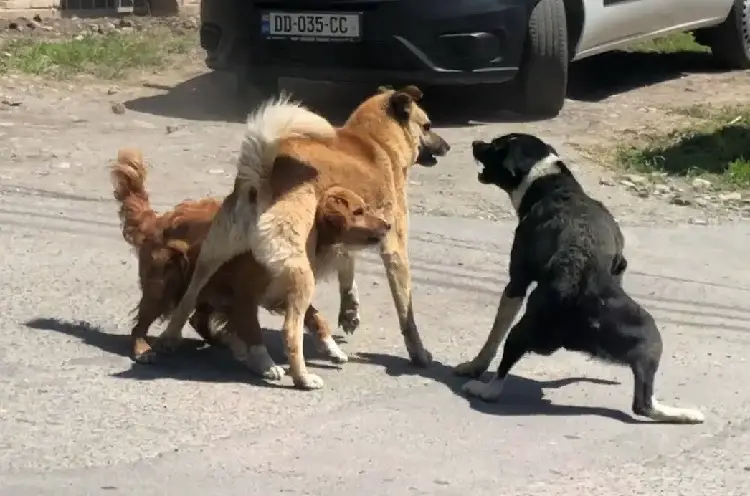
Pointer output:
289, 157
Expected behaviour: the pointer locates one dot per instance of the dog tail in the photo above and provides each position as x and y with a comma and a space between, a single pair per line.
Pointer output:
137, 218
274, 120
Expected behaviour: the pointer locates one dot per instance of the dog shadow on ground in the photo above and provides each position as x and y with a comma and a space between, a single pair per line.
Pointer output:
521, 397
212, 96
194, 361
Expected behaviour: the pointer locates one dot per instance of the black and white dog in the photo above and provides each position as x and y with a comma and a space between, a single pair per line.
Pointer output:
571, 246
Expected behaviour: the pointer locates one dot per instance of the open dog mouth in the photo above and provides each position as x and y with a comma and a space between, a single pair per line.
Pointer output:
426, 158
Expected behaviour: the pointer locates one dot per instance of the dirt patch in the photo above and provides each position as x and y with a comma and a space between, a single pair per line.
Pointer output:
58, 135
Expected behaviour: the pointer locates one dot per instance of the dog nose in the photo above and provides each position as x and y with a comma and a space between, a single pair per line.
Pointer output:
476, 143
387, 226
447, 148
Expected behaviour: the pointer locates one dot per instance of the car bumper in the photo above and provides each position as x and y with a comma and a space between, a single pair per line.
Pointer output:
420, 41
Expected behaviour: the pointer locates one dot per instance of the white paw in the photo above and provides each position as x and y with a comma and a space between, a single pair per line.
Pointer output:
274, 373
470, 369
308, 381
331, 349
664, 413
259, 361
693, 417
488, 391
349, 311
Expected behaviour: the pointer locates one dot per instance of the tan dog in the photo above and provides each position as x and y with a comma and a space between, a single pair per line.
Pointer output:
168, 245
289, 157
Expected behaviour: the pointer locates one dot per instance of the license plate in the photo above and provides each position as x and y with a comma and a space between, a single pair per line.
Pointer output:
311, 26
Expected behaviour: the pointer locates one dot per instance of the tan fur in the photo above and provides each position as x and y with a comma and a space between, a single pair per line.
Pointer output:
371, 155
168, 246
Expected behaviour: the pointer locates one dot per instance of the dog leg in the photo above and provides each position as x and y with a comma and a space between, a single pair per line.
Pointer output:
324, 342
298, 277
149, 309
172, 335
396, 262
520, 340
399, 280
349, 306
228, 236
200, 321
244, 337
644, 403
507, 311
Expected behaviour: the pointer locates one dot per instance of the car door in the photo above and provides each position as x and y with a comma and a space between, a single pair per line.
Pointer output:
609, 22
695, 13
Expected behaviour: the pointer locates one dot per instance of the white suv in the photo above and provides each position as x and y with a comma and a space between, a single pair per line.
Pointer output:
561, 31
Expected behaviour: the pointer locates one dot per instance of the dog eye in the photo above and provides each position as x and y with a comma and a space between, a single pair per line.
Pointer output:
427, 126
359, 211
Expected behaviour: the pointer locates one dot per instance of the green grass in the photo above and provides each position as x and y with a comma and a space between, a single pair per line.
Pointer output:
673, 43
106, 56
715, 145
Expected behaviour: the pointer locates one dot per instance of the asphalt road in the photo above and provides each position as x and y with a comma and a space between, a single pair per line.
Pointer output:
78, 418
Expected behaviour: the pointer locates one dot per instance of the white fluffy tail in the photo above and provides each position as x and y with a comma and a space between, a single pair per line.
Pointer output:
274, 120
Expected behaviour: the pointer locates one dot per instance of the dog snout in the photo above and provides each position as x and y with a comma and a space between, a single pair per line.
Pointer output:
477, 144
386, 226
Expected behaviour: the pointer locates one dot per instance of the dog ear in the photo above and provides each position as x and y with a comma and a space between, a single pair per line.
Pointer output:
332, 215
414, 92
384, 88
401, 106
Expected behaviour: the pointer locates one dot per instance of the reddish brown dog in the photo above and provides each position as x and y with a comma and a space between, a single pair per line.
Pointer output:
168, 245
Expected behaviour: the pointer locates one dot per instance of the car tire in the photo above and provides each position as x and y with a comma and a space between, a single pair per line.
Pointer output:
542, 80
253, 88
730, 40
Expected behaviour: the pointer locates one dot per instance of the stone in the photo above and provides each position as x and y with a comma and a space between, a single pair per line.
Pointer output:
118, 108
662, 189
701, 184
636, 178
681, 200
10, 102
730, 197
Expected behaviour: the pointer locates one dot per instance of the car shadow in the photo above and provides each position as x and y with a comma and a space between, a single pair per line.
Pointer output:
193, 361
212, 96
595, 78
521, 396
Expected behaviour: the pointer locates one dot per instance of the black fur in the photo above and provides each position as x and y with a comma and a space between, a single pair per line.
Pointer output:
571, 246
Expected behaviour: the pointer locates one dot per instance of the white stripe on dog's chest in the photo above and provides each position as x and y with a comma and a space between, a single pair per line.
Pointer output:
545, 167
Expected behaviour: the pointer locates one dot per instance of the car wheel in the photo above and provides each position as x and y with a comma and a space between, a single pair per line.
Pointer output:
543, 74
730, 41
253, 88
